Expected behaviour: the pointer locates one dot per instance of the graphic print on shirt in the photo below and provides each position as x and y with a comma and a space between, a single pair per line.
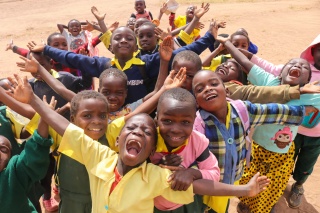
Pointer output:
283, 137
76, 43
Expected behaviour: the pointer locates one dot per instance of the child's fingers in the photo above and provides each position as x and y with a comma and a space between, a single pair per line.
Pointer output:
23, 58
20, 64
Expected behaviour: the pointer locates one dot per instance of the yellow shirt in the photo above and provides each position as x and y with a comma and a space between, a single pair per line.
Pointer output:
181, 21
17, 121
136, 61
136, 190
215, 62
105, 38
113, 130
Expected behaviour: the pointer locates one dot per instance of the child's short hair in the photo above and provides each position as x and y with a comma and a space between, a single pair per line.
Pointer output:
188, 55
148, 24
86, 94
40, 54
113, 72
72, 21
49, 39
240, 33
178, 94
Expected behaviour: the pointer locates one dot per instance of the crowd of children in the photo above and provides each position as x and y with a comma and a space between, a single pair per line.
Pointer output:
165, 131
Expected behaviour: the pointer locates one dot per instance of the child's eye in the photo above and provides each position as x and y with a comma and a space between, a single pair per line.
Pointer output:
4, 150
148, 132
103, 116
199, 89
87, 116
185, 122
167, 121
189, 76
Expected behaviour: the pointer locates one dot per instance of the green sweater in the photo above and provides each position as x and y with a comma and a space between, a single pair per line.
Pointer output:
21, 172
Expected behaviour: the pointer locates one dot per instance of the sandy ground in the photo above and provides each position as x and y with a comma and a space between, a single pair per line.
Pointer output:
280, 28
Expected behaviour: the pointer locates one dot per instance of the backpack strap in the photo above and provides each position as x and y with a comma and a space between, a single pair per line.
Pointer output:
243, 113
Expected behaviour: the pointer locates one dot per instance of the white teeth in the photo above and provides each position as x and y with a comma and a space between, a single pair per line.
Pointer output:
211, 96
95, 130
136, 142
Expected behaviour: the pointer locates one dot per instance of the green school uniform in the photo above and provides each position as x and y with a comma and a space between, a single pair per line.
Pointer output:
21, 173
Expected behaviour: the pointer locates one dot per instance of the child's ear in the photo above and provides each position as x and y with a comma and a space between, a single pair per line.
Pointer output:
136, 48
117, 142
228, 93
153, 151
72, 119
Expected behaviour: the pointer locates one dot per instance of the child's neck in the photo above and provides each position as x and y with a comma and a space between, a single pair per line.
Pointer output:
189, 19
123, 60
124, 169
221, 113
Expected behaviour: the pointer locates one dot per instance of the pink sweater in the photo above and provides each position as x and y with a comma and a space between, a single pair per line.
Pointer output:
209, 169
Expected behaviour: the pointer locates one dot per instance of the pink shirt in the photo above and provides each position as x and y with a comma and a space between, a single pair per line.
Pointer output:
209, 168
276, 70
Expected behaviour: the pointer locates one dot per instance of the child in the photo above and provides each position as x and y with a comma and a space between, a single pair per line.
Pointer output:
184, 20
252, 47
123, 44
176, 112
238, 39
111, 175
131, 22
141, 12
75, 37
148, 42
274, 141
18, 173
72, 176
220, 122
112, 82
55, 40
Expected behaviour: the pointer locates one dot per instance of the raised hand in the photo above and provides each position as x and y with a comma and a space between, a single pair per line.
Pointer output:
213, 28
28, 65
201, 11
52, 104
257, 184
21, 88
199, 25
31, 44
246, 53
114, 26
89, 26
96, 13
222, 24
9, 45
161, 34
33, 47
163, 8
173, 81
166, 48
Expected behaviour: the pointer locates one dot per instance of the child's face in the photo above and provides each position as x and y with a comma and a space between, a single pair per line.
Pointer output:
92, 117
147, 39
137, 140
59, 42
139, 6
209, 91
43, 62
74, 27
115, 90
131, 22
138, 23
316, 56
296, 72
227, 71
190, 11
191, 71
175, 120
5, 152
123, 42
240, 41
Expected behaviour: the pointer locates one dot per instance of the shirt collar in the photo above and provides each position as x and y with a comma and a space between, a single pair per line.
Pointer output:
54, 73
105, 168
162, 147
134, 60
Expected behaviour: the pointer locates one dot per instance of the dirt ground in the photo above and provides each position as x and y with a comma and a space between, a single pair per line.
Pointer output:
280, 28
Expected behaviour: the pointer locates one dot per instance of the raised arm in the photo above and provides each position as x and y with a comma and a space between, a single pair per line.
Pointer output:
100, 19
171, 82
61, 27
22, 92
197, 16
165, 51
207, 60
33, 66
23, 109
239, 56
